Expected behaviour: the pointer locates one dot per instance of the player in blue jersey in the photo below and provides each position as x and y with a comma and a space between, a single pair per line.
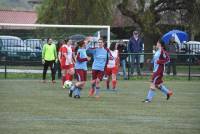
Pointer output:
100, 56
160, 58
80, 69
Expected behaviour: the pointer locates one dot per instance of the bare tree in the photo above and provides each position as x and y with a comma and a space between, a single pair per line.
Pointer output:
149, 13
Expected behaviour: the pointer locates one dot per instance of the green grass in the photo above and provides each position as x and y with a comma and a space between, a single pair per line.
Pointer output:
29, 106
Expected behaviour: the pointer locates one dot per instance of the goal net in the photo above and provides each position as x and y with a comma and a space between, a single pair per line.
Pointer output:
23, 42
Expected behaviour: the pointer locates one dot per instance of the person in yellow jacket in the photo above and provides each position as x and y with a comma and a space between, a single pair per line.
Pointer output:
49, 57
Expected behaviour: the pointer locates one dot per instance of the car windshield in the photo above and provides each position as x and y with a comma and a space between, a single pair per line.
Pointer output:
195, 46
33, 43
13, 42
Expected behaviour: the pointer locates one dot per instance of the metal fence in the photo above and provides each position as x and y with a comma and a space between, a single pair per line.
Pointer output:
25, 53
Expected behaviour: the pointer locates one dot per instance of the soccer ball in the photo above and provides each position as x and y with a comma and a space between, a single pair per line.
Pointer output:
67, 84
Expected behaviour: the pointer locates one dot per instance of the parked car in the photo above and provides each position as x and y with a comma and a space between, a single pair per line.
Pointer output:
190, 47
36, 45
13, 47
193, 46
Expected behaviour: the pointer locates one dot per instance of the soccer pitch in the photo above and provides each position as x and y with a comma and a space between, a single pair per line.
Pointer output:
32, 107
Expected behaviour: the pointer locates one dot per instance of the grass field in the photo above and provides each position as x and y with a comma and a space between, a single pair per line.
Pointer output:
31, 107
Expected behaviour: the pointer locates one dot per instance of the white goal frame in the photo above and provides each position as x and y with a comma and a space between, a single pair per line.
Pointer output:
62, 26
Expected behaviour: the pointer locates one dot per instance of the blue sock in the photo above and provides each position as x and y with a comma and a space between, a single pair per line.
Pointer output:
79, 91
150, 95
73, 88
76, 92
97, 91
164, 89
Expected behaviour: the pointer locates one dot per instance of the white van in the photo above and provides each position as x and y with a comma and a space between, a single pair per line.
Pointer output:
190, 47
193, 46
13, 48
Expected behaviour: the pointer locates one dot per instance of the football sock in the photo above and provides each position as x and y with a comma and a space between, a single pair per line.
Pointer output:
97, 91
63, 80
150, 95
93, 86
76, 91
73, 88
79, 91
67, 77
114, 82
107, 84
70, 77
164, 89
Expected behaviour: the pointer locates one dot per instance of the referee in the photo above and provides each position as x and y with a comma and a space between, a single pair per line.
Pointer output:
49, 57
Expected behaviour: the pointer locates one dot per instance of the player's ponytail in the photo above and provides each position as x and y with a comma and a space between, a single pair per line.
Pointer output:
112, 46
66, 40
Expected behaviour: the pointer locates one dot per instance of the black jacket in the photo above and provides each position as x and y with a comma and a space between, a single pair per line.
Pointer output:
122, 50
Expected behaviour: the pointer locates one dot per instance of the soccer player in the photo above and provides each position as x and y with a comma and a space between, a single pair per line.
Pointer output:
80, 69
160, 58
112, 66
49, 57
66, 61
100, 56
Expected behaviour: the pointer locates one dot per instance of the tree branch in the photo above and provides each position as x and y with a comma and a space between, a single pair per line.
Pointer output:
126, 12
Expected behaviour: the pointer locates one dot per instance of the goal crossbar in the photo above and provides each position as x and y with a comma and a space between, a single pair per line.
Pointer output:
62, 26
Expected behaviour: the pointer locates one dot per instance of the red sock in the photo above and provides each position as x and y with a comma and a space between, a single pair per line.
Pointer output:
114, 82
67, 77
70, 77
63, 79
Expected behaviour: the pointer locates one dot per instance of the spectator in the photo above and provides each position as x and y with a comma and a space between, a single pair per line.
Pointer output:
49, 57
122, 55
135, 45
172, 49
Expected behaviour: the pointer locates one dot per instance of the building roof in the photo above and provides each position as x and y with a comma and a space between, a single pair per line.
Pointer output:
18, 17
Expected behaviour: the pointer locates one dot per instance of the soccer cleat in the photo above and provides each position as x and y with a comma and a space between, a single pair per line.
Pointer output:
105, 77
77, 97
91, 92
114, 89
169, 94
97, 96
146, 101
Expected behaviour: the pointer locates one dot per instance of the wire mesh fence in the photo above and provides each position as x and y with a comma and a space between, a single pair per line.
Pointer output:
186, 66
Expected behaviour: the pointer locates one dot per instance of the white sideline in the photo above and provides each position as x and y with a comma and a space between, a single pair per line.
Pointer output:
40, 71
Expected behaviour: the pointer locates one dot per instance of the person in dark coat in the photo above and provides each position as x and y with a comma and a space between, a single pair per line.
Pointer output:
123, 55
135, 46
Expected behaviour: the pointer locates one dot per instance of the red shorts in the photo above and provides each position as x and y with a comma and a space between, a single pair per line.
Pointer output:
67, 66
110, 71
81, 75
97, 74
156, 78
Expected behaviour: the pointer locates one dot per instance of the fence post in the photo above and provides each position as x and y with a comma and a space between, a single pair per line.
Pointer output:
189, 68
5, 64
129, 65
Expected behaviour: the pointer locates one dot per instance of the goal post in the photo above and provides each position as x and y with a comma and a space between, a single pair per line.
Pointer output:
27, 26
